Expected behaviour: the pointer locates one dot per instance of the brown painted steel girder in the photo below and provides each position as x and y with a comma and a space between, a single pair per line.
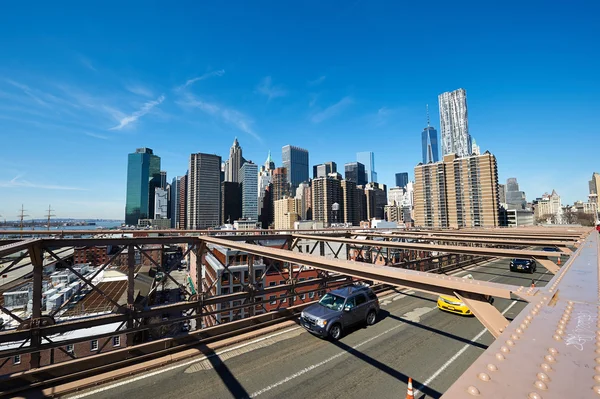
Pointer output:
435, 237
421, 281
492, 252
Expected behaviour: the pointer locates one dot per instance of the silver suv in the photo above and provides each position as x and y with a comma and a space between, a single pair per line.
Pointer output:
339, 309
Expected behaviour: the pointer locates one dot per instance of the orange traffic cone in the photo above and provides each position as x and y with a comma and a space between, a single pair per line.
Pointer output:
558, 262
532, 284
409, 390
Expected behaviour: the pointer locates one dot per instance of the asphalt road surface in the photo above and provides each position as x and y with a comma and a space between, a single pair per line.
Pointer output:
411, 338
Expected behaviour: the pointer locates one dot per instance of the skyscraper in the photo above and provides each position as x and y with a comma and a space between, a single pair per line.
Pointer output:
234, 163
280, 184
204, 191
231, 202
594, 185
143, 176
355, 172
175, 201
248, 175
295, 160
350, 203
401, 179
161, 203
454, 123
327, 191
457, 192
264, 180
183, 195
324, 169
515, 199
368, 159
429, 143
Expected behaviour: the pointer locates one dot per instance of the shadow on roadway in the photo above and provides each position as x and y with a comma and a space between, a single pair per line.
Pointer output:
231, 383
385, 314
386, 369
511, 275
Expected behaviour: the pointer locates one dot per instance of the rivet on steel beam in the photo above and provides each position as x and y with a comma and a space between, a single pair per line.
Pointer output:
550, 358
546, 367
523, 326
515, 337
534, 395
553, 351
597, 378
543, 377
529, 317
500, 356
483, 377
492, 367
539, 306
473, 391
557, 337
504, 349
541, 385
596, 389
526, 321
570, 302
510, 342
520, 331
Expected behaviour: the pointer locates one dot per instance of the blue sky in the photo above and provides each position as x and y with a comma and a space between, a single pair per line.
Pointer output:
82, 85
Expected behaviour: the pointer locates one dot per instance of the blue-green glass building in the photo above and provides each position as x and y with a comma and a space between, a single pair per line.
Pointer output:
143, 176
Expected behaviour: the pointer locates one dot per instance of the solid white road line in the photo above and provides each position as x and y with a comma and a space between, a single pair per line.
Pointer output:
456, 355
179, 365
316, 365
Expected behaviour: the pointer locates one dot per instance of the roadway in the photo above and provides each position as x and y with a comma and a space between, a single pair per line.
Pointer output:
412, 338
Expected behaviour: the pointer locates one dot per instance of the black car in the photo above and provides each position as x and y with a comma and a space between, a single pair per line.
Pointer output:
551, 249
524, 265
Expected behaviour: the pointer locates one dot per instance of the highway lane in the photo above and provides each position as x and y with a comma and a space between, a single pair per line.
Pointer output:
412, 338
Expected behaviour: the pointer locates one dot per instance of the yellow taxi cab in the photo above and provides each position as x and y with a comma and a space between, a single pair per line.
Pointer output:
450, 303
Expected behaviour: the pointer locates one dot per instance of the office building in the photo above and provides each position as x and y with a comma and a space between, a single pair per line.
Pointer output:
182, 206
324, 169
594, 185
204, 191
376, 195
266, 213
350, 202
368, 160
457, 192
502, 193
402, 179
548, 208
327, 200
295, 161
475, 148
303, 193
280, 184
287, 212
429, 143
161, 203
231, 202
175, 188
248, 176
515, 199
454, 123
264, 180
163, 179
355, 172
234, 163
143, 176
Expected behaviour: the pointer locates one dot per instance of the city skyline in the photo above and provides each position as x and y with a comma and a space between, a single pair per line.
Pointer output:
74, 105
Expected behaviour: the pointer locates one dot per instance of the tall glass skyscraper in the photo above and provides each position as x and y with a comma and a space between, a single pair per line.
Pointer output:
295, 160
368, 159
429, 143
355, 172
143, 176
401, 179
454, 123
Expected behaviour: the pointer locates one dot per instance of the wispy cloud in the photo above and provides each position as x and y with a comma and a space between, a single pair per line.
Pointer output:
29, 92
332, 110
147, 107
207, 75
87, 63
317, 81
97, 136
18, 182
139, 90
313, 100
229, 115
266, 88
